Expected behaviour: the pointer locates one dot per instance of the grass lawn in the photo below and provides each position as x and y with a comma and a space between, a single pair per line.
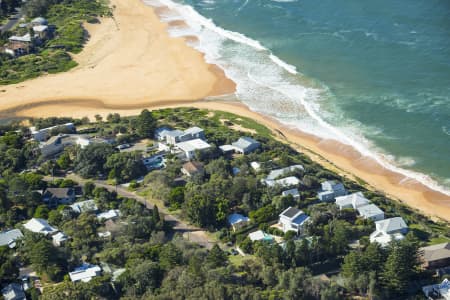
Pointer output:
238, 260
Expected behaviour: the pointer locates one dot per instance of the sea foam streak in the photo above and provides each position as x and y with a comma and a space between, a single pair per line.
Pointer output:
269, 85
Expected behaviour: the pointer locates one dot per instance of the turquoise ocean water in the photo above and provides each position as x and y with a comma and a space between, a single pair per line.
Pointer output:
373, 74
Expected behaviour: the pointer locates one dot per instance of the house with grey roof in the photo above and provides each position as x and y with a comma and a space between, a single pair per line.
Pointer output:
245, 145
174, 136
436, 256
59, 239
388, 230
292, 219
354, 201
8, 238
370, 212
160, 133
292, 192
195, 133
13, 291
84, 206
274, 174
189, 148
53, 146
37, 225
331, 189
56, 196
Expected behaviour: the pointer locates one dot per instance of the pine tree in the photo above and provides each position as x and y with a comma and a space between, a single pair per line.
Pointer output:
146, 124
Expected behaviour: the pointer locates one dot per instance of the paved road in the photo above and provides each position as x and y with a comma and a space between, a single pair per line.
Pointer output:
11, 23
192, 233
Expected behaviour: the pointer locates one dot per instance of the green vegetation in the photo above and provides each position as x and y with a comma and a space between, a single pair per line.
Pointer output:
157, 262
53, 56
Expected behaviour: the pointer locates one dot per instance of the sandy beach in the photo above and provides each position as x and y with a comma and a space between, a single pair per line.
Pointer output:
131, 63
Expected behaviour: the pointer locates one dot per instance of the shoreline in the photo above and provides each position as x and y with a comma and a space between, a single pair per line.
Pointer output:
125, 73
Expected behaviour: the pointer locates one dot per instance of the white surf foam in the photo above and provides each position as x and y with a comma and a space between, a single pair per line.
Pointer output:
271, 86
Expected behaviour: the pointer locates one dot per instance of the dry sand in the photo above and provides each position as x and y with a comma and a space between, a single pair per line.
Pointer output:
131, 63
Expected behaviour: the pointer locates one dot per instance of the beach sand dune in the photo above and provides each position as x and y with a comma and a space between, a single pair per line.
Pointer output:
131, 63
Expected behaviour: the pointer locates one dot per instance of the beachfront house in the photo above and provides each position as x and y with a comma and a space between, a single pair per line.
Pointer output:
370, 212
292, 192
260, 235
56, 196
37, 225
85, 273
193, 168
161, 132
13, 291
245, 145
292, 219
194, 133
9, 237
331, 189
84, 206
436, 256
189, 148
177, 136
388, 230
271, 179
284, 182
238, 221
52, 147
354, 201
44, 133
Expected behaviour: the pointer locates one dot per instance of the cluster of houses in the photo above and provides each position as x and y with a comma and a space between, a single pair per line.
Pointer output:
38, 31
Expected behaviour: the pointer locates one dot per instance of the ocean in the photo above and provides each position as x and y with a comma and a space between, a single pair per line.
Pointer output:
372, 74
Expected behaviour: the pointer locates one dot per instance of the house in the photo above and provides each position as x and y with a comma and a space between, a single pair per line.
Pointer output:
293, 192
436, 256
227, 149
238, 221
41, 31
84, 206
388, 230
38, 21
274, 174
194, 133
193, 168
370, 212
438, 291
56, 196
18, 45
13, 291
44, 133
39, 226
245, 145
330, 190
85, 273
108, 215
59, 239
284, 182
292, 219
8, 238
190, 147
260, 236
51, 147
354, 201
160, 133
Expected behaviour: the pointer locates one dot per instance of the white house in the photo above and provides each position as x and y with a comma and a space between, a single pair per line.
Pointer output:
274, 174
284, 182
371, 212
160, 133
245, 145
42, 134
107, 215
388, 230
260, 235
39, 226
174, 136
293, 192
330, 190
8, 238
85, 273
59, 239
189, 147
437, 291
84, 206
354, 201
292, 219
238, 221
194, 133
13, 291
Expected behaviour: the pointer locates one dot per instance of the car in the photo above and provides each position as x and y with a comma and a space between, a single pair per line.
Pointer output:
123, 146
234, 252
